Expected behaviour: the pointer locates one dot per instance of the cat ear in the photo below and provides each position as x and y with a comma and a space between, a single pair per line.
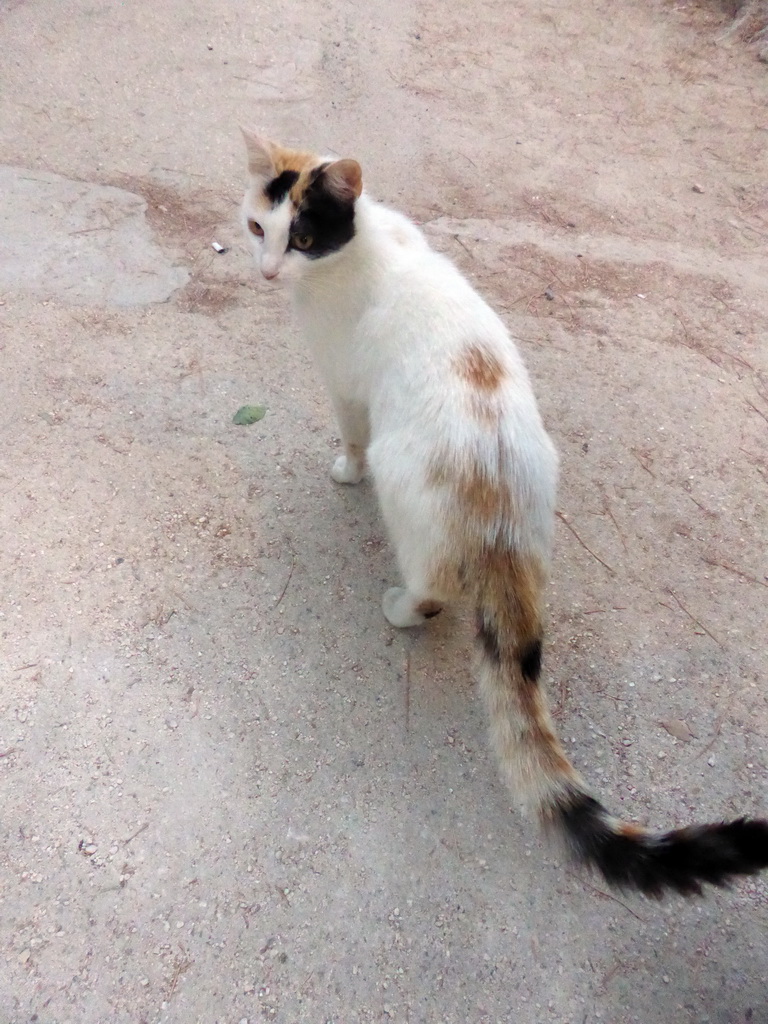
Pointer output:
344, 178
260, 154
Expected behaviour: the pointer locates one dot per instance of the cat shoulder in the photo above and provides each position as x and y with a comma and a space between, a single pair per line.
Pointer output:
396, 228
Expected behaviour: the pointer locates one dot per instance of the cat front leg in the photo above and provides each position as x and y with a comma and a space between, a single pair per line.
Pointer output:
350, 467
353, 423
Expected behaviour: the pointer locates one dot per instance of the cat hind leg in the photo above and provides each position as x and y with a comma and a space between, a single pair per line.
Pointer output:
414, 515
430, 580
404, 608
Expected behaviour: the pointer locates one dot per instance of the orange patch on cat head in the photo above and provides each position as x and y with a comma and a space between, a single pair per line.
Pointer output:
342, 178
480, 367
301, 163
292, 160
269, 159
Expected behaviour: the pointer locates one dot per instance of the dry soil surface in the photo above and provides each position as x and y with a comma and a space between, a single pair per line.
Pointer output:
230, 791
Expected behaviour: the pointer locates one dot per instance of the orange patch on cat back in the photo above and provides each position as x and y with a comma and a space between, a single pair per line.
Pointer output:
481, 500
486, 500
480, 367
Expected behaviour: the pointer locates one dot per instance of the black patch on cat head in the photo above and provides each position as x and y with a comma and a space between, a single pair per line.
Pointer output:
530, 661
277, 189
327, 219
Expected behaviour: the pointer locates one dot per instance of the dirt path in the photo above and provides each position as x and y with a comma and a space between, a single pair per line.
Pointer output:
230, 790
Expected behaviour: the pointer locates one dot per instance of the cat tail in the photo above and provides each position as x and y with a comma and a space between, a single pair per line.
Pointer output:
508, 595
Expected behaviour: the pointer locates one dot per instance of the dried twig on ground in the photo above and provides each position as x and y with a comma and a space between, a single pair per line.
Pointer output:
586, 547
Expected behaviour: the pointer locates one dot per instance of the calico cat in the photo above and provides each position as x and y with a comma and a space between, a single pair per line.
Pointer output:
431, 394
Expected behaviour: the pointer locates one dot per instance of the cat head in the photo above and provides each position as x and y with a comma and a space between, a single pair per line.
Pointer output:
299, 207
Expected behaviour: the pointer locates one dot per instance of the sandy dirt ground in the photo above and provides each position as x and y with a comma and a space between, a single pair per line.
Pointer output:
230, 791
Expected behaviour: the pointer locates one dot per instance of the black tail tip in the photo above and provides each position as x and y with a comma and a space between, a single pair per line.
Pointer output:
682, 861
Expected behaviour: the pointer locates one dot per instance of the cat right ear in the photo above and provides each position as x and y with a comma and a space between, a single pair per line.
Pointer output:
344, 178
260, 154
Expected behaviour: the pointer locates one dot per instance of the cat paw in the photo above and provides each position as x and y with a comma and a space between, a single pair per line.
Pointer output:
347, 471
399, 608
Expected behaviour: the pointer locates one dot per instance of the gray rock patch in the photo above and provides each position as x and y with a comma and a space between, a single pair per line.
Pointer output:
80, 242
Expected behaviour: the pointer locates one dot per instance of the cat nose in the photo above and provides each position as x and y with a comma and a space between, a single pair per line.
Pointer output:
270, 265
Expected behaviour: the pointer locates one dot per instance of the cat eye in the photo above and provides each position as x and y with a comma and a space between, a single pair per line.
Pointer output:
255, 228
302, 242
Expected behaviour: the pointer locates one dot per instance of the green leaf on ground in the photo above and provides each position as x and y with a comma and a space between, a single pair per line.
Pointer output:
248, 414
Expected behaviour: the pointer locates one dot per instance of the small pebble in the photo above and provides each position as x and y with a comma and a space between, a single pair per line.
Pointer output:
711, 762
697, 188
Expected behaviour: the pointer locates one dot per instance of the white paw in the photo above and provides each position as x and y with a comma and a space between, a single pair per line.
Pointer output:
346, 471
399, 609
